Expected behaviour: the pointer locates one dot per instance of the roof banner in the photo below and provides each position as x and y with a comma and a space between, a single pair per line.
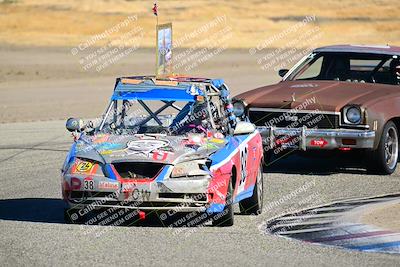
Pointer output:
164, 50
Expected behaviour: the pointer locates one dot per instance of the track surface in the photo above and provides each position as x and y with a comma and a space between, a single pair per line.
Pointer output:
33, 232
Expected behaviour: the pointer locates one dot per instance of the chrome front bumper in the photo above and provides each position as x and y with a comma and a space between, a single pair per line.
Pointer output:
327, 139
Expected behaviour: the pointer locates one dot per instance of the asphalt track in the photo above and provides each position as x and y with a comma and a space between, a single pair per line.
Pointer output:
33, 232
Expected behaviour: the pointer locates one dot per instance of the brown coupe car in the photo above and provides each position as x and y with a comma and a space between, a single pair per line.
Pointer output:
337, 98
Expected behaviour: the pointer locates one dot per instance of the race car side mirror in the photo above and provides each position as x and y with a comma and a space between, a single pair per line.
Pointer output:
283, 72
244, 127
75, 125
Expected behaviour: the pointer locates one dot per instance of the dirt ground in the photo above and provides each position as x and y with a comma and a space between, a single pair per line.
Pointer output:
70, 22
48, 83
48, 49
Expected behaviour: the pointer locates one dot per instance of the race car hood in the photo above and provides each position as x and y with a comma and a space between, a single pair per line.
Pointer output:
165, 149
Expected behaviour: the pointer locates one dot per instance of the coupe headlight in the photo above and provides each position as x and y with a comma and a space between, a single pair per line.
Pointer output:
189, 168
239, 108
353, 115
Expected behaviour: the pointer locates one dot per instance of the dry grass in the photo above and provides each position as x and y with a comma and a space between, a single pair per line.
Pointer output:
68, 23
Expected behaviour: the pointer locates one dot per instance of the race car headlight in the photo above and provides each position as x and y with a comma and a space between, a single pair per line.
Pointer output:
239, 108
352, 115
189, 168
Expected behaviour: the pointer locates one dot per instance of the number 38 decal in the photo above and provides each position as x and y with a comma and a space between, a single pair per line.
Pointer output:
88, 185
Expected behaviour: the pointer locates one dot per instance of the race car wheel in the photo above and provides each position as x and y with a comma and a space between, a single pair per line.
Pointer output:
67, 217
72, 217
253, 205
225, 218
384, 159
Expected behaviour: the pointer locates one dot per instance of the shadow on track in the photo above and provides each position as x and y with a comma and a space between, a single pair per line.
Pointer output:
51, 210
322, 163
47, 210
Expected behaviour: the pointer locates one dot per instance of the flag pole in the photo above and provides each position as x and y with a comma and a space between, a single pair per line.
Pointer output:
155, 12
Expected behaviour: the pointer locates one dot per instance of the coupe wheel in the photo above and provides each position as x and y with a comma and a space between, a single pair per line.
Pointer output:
253, 205
384, 159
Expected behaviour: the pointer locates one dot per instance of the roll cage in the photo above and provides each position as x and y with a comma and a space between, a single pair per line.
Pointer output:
169, 91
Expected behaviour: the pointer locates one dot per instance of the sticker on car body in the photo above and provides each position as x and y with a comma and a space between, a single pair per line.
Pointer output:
84, 166
108, 185
145, 146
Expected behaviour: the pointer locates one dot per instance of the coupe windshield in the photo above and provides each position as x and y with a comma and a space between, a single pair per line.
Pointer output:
350, 67
169, 117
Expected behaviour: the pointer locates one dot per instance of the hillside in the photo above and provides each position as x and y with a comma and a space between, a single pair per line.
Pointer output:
251, 22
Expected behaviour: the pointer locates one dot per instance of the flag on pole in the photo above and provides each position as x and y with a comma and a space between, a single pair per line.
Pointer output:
155, 9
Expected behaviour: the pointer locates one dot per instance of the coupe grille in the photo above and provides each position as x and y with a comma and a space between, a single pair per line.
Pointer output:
294, 120
138, 170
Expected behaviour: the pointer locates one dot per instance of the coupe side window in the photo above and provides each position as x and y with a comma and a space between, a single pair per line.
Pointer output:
384, 74
363, 65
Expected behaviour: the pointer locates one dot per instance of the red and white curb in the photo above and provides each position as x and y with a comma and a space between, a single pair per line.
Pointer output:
336, 224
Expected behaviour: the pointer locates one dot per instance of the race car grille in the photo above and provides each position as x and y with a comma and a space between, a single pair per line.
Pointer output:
193, 196
138, 170
89, 194
294, 120
144, 204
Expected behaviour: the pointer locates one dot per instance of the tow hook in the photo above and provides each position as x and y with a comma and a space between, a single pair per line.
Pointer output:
142, 215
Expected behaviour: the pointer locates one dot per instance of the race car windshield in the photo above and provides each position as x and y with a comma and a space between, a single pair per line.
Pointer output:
350, 67
169, 117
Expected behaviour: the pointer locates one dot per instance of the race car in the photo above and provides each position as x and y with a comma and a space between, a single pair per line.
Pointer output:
164, 146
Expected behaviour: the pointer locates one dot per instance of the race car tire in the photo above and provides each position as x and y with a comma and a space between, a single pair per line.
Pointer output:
225, 218
254, 204
384, 159
69, 217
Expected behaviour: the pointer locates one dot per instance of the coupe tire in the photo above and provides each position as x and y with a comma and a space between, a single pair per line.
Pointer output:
225, 218
254, 204
67, 217
384, 159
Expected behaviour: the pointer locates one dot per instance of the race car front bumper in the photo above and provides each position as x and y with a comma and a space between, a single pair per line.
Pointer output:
174, 201
179, 195
324, 139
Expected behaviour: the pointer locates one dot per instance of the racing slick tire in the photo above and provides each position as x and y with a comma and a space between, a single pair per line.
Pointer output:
254, 204
384, 159
71, 217
225, 218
